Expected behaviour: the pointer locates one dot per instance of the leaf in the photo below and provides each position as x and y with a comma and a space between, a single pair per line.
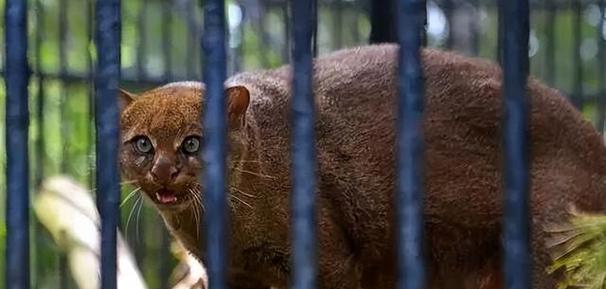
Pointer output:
579, 250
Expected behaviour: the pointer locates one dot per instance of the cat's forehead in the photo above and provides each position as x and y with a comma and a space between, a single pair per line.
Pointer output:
165, 112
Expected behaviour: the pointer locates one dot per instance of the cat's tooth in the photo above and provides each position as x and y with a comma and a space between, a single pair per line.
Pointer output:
158, 197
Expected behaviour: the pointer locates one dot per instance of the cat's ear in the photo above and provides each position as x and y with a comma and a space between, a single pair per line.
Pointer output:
238, 98
124, 99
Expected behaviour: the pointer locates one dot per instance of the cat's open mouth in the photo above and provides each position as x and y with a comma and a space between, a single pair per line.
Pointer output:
168, 197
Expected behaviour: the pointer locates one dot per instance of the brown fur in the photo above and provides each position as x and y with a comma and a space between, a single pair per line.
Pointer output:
355, 92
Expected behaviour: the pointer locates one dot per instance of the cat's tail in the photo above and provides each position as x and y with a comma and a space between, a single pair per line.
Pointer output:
579, 250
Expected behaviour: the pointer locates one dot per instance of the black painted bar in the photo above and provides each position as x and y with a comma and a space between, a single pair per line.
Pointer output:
192, 41
63, 91
107, 78
577, 98
448, 8
39, 156
382, 21
409, 198
215, 70
314, 23
303, 234
17, 121
167, 21
142, 51
516, 241
550, 42
475, 28
601, 96
89, 77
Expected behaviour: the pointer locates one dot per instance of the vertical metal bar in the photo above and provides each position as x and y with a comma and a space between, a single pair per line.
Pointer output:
475, 29
215, 69
262, 39
62, 262
107, 78
448, 7
167, 20
500, 30
17, 121
63, 9
410, 30
142, 43
578, 62
91, 95
382, 21
191, 41
287, 29
303, 233
550, 42
338, 24
40, 138
315, 9
602, 70
39, 169
517, 262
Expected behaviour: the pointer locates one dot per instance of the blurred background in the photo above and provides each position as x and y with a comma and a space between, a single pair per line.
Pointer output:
160, 43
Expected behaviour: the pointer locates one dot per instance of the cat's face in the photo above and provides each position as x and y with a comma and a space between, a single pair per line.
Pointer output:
162, 136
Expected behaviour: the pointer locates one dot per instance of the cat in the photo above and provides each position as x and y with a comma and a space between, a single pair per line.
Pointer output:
356, 111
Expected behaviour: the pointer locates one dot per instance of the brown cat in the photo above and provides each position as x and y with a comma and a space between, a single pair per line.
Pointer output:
356, 99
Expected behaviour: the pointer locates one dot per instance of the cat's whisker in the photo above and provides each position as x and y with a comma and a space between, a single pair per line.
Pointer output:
129, 196
138, 221
242, 192
130, 215
250, 161
197, 217
121, 184
254, 173
241, 201
197, 189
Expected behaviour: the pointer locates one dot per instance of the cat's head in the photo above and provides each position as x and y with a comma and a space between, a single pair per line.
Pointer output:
162, 137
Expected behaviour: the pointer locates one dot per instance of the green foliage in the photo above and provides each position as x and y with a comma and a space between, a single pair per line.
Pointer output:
579, 251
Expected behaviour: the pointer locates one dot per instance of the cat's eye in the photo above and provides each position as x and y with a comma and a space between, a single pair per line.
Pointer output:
191, 145
143, 145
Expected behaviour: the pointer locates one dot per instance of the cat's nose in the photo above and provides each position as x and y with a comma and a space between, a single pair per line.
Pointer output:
164, 171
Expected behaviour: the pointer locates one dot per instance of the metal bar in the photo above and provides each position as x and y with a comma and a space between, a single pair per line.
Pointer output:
601, 96
550, 42
17, 121
89, 78
63, 9
447, 5
142, 40
410, 30
107, 78
167, 20
500, 29
191, 41
40, 141
337, 24
475, 28
578, 62
287, 39
315, 9
382, 21
303, 233
516, 240
262, 37
215, 69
